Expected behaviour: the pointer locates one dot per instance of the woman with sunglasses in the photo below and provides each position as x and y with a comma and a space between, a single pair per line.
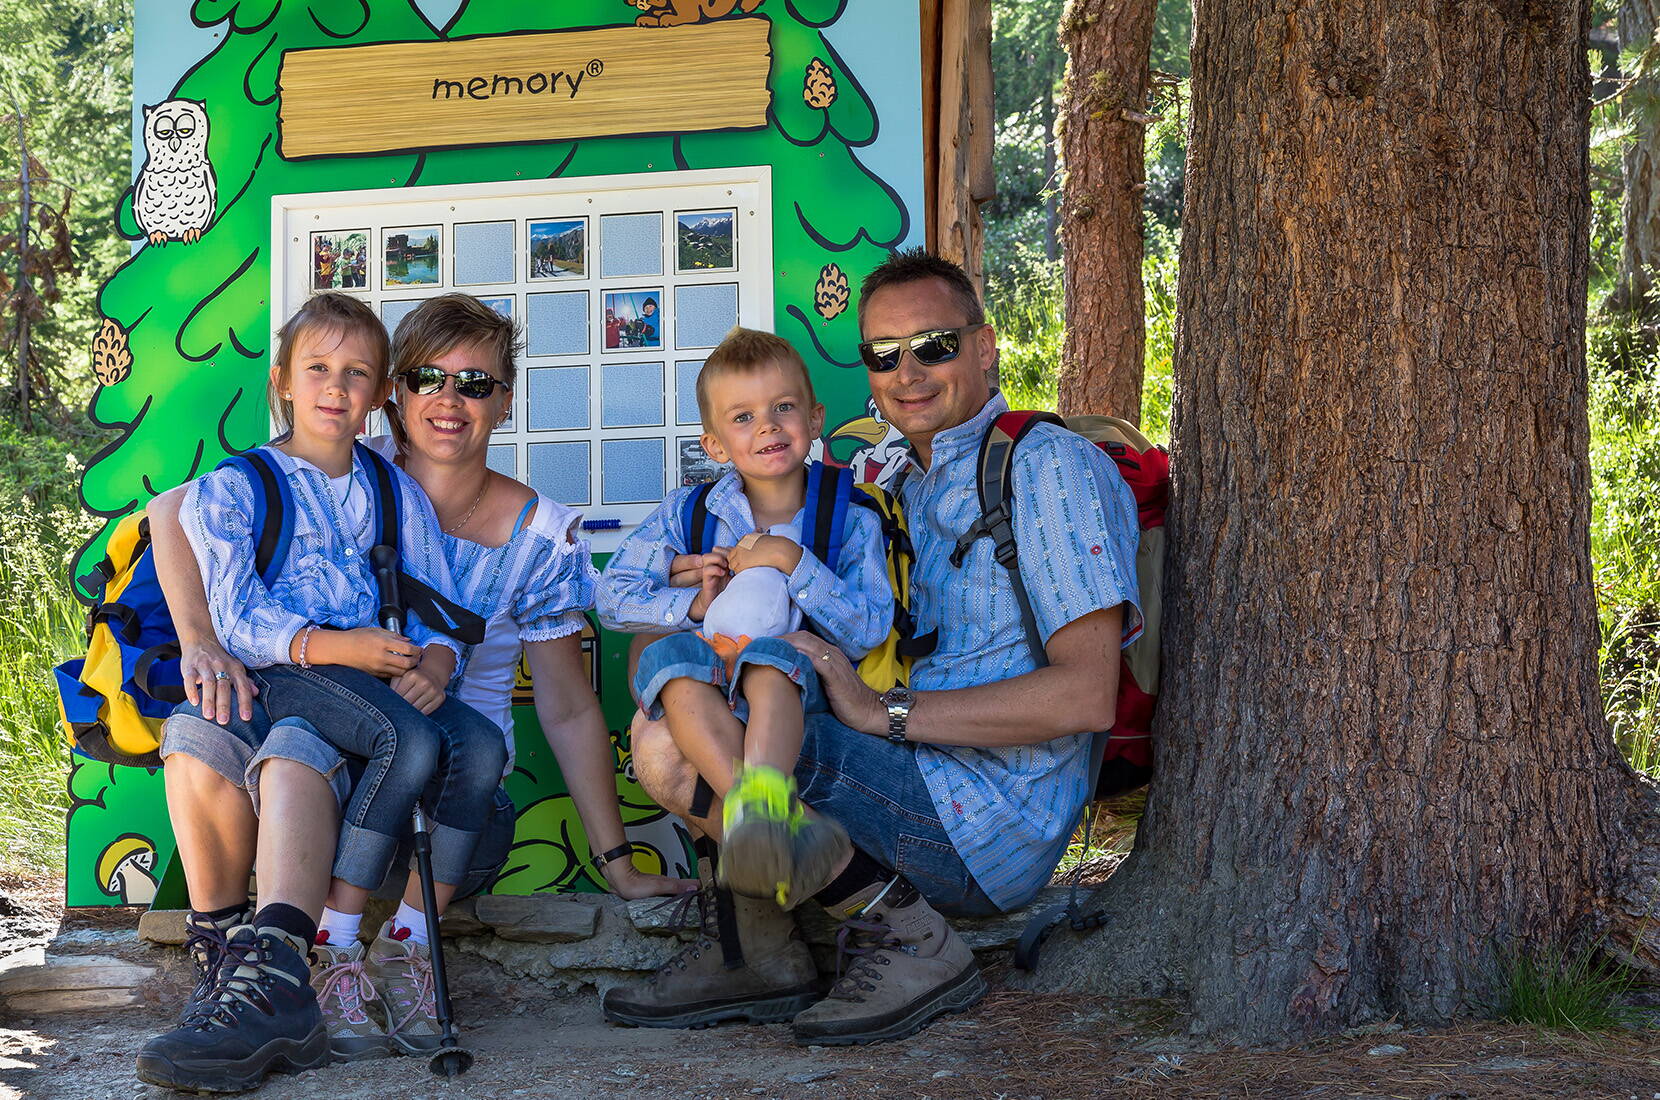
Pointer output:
517, 564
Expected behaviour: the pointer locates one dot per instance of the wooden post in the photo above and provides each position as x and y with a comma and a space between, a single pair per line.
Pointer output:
964, 176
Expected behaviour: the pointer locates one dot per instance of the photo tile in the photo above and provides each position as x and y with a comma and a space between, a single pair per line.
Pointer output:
410, 257
559, 249
633, 319
340, 260
706, 240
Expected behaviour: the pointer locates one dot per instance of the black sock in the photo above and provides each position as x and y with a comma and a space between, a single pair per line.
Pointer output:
704, 847
289, 919
220, 916
860, 872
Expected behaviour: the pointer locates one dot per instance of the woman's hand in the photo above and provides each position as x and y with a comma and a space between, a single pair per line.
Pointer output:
756, 549
851, 699
712, 580
215, 681
375, 651
628, 881
423, 686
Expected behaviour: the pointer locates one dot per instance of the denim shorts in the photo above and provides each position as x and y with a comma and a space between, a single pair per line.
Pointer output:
237, 749
686, 656
874, 788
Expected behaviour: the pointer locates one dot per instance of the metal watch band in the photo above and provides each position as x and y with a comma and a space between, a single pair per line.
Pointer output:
898, 701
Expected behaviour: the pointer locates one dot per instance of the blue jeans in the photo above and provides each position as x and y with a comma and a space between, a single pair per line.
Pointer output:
454, 754
875, 790
687, 656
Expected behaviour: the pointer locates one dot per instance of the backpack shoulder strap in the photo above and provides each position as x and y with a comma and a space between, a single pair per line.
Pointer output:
273, 517
697, 525
829, 488
996, 522
387, 498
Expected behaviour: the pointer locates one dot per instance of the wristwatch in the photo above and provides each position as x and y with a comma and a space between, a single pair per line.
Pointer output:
898, 700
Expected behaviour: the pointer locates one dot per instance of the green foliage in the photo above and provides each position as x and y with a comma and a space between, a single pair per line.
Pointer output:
1158, 284
1564, 991
66, 65
40, 625
1025, 308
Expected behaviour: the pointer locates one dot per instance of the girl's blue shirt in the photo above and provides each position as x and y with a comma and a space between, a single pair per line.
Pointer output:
326, 579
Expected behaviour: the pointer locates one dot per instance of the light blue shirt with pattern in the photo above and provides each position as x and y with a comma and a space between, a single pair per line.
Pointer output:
852, 607
1010, 811
327, 578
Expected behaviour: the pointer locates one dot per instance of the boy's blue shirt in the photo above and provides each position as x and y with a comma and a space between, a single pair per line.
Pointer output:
852, 606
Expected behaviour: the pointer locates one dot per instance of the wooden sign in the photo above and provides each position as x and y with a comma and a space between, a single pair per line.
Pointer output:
506, 89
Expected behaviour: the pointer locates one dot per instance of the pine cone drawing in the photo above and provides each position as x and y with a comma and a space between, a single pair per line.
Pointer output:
820, 87
830, 296
111, 361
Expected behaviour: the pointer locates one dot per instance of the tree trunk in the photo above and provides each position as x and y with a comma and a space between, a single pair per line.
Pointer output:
1640, 207
1107, 43
1382, 762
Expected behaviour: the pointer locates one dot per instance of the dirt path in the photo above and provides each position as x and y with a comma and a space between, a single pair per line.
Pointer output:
1015, 1046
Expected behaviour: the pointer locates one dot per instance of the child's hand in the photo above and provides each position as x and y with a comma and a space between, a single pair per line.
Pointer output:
756, 550
423, 686
711, 583
375, 651
686, 570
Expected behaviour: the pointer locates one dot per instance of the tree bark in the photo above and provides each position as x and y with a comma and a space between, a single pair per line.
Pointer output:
1382, 761
1107, 80
1640, 207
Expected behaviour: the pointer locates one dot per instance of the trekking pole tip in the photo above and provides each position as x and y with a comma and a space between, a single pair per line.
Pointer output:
451, 1061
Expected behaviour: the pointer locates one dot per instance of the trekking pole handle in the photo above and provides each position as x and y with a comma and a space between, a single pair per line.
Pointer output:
385, 562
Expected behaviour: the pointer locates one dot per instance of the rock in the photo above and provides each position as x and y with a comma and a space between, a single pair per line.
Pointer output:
1386, 1049
809, 1078
72, 1000
538, 918
162, 926
939, 1073
655, 918
34, 971
461, 919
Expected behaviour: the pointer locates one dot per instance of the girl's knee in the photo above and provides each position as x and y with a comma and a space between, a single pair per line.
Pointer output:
410, 750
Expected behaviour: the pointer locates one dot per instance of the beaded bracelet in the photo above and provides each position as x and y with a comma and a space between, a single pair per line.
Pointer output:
305, 640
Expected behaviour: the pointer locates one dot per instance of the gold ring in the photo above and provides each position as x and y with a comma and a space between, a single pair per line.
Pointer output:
825, 656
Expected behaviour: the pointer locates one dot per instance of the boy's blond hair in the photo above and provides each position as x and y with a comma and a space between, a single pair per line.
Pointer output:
745, 351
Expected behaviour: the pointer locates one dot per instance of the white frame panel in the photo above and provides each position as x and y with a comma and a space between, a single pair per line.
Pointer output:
747, 190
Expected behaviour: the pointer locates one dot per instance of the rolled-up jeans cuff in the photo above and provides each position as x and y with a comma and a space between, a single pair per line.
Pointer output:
452, 852
209, 742
677, 657
363, 855
781, 655
298, 740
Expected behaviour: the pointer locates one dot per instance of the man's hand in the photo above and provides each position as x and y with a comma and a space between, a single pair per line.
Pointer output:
712, 580
423, 686
851, 699
214, 681
756, 549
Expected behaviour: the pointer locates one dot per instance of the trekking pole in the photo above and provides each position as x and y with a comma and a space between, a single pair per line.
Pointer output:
451, 1059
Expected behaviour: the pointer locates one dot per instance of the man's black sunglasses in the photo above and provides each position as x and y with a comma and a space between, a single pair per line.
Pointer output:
429, 380
930, 348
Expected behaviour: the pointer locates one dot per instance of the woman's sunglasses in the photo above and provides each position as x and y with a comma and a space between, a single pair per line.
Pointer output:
429, 380
930, 348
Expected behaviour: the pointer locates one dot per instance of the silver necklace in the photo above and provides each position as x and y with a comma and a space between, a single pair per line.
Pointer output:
458, 525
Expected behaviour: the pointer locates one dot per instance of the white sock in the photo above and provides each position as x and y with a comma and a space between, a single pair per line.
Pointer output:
340, 927
411, 920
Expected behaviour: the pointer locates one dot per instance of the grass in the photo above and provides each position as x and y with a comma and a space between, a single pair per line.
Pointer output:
1560, 990
40, 625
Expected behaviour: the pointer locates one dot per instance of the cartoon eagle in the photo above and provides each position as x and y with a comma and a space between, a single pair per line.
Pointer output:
174, 197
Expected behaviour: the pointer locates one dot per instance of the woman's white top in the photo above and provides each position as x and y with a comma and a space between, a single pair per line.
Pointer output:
533, 588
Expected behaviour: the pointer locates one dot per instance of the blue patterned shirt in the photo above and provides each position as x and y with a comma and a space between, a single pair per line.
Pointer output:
326, 579
852, 607
1010, 811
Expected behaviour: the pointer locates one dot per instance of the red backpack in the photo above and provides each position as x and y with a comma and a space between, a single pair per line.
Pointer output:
1125, 760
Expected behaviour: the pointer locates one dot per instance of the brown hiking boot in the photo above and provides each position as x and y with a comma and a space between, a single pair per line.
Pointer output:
401, 970
343, 992
904, 967
748, 963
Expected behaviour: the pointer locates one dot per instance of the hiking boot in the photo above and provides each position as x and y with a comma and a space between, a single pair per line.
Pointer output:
343, 990
204, 942
759, 822
401, 971
260, 1017
904, 967
747, 963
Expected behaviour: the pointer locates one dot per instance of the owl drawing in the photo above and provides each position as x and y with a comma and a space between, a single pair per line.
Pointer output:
176, 192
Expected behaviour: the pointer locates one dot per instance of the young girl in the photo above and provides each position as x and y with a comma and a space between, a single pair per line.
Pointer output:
309, 639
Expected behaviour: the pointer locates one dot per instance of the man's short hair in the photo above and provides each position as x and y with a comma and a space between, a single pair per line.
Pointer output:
911, 265
745, 351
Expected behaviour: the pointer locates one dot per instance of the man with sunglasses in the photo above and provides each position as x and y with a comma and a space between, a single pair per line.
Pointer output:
960, 793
